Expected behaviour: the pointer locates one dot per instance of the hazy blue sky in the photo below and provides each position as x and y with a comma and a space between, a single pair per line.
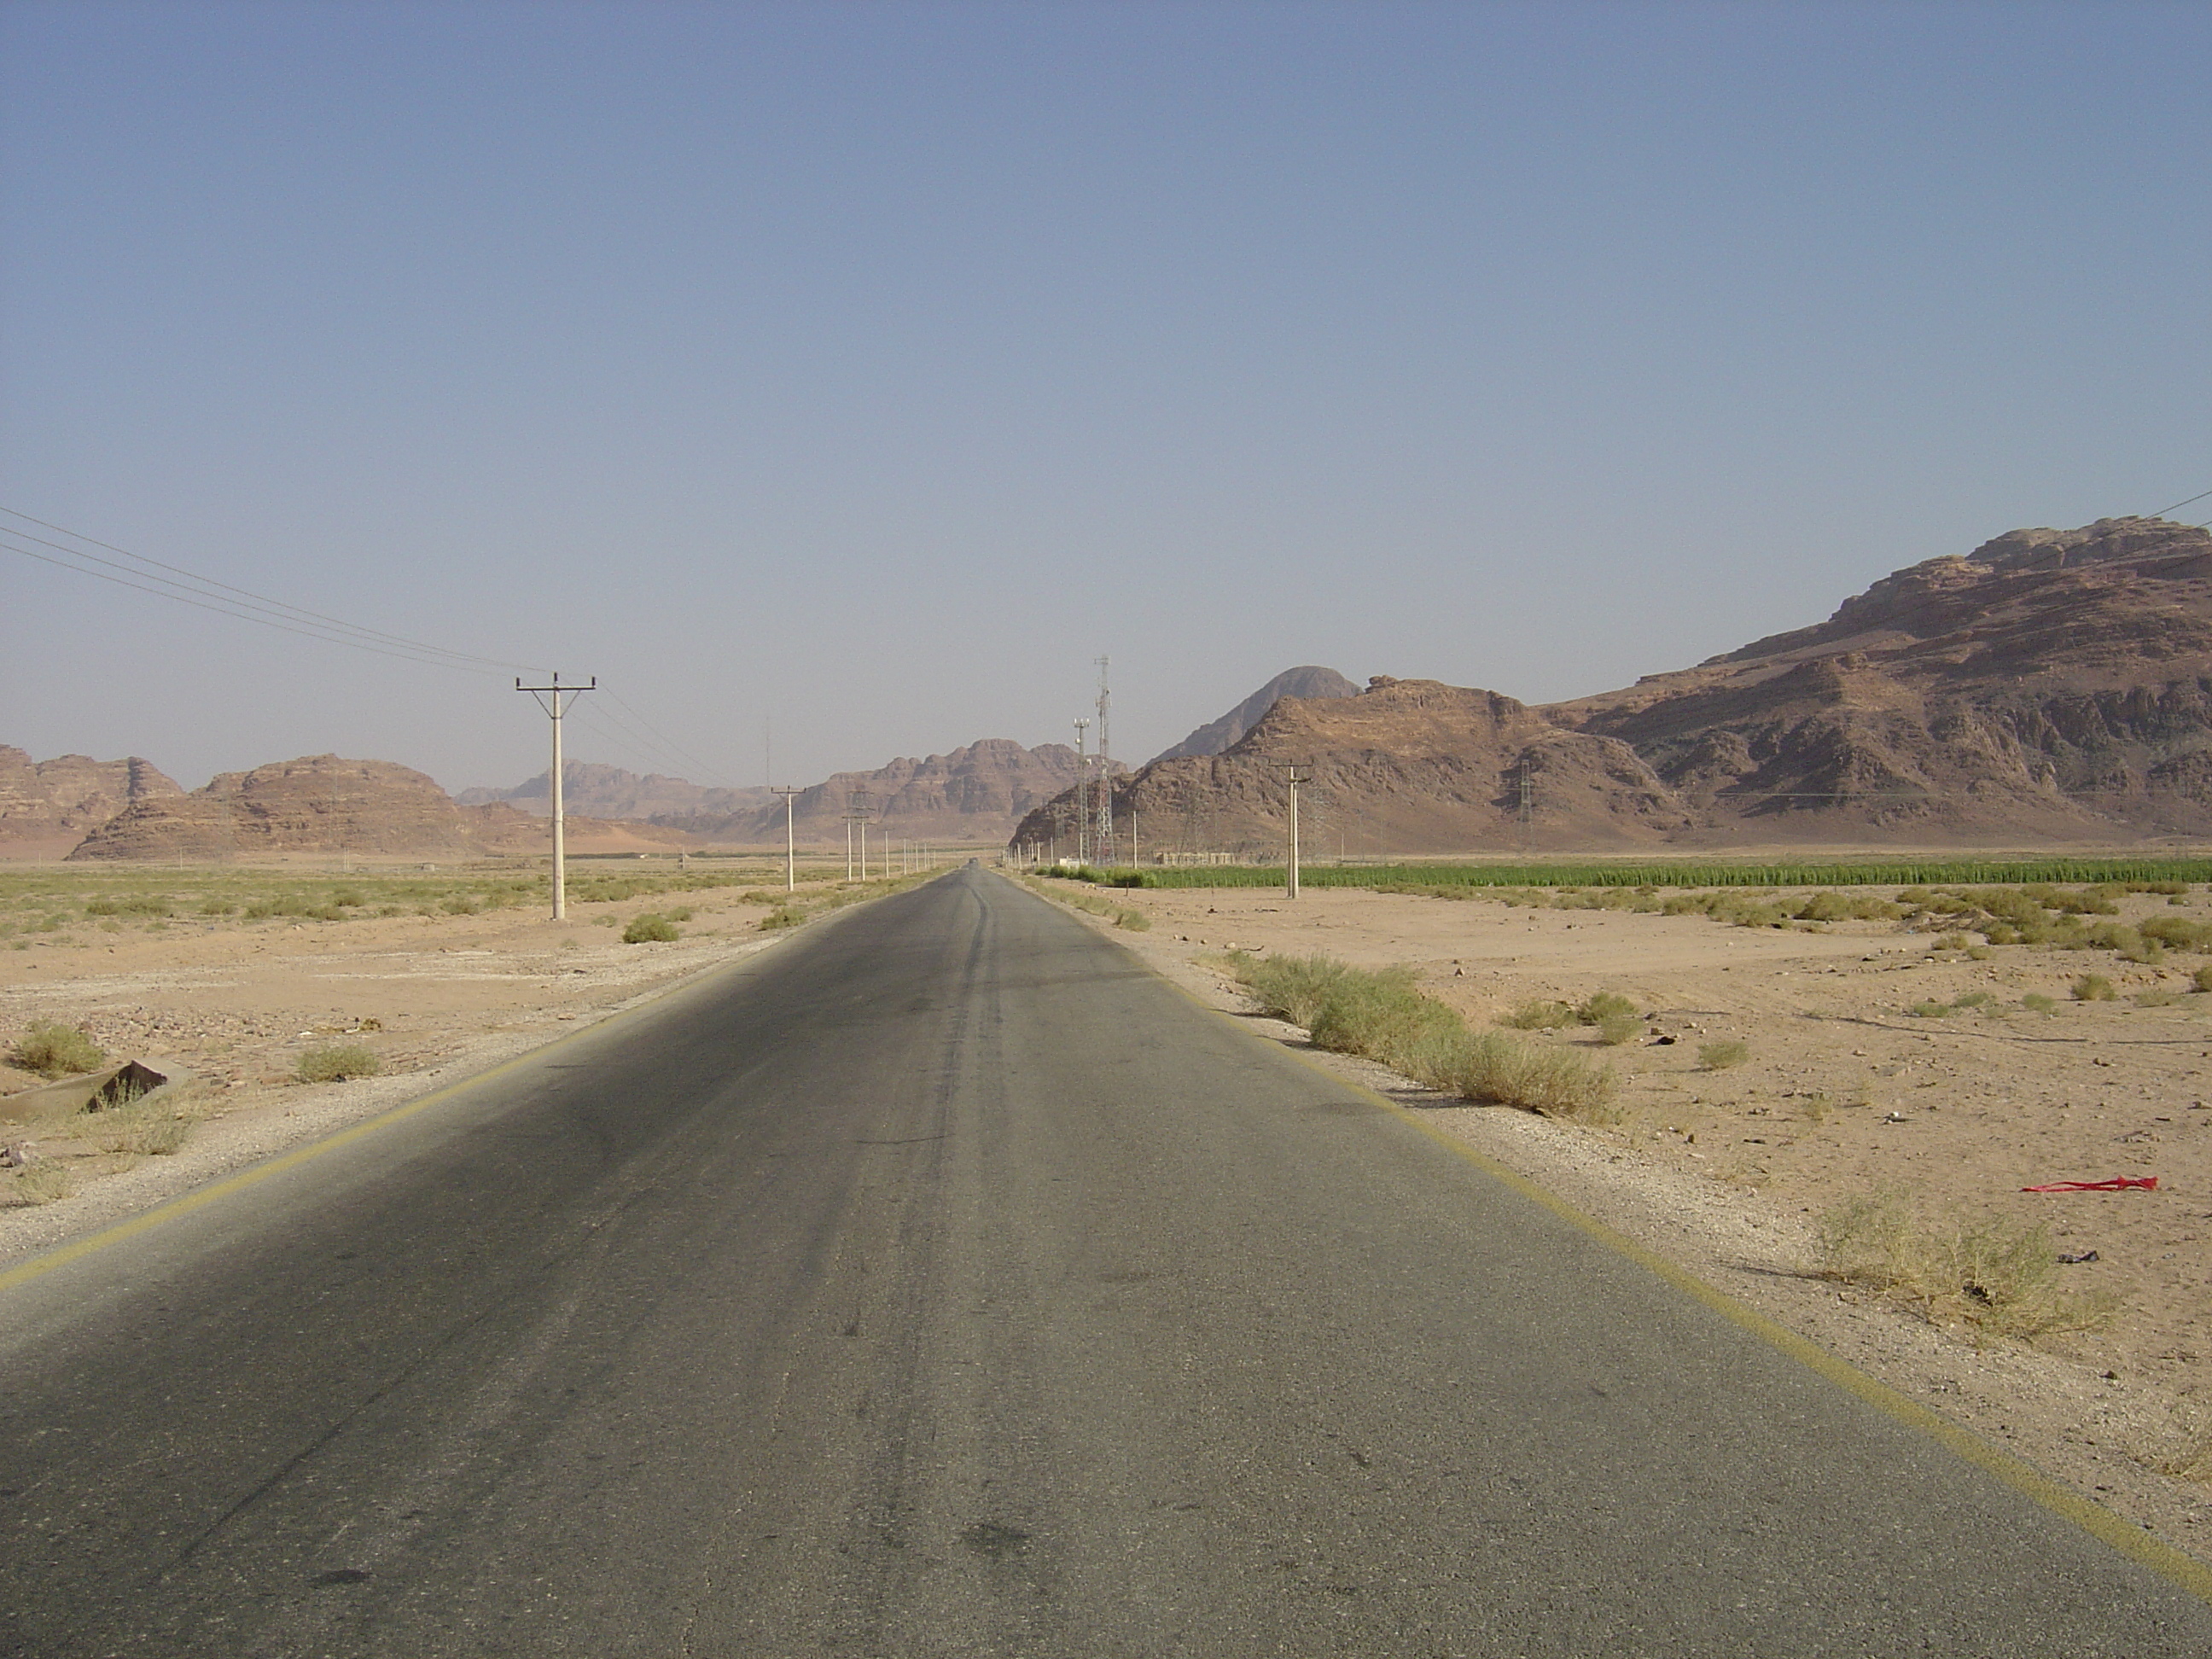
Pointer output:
877, 365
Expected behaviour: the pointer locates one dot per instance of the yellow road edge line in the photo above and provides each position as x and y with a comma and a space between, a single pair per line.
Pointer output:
184, 1203
2145, 1548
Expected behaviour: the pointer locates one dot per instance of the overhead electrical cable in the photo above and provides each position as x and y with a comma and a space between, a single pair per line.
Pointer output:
2198, 496
305, 633
243, 603
628, 741
669, 743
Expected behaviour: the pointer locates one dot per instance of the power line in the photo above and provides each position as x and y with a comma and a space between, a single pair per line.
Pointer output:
670, 744
222, 599
282, 610
221, 610
2199, 496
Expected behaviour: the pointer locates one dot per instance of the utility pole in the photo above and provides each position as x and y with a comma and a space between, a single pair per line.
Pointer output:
1082, 795
1297, 775
790, 841
548, 698
1105, 772
856, 811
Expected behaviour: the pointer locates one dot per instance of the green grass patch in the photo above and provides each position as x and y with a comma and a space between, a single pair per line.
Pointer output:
2139, 875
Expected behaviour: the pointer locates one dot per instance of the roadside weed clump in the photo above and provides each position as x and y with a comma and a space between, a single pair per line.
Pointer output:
2036, 1003
1296, 987
2202, 979
1532, 1076
336, 1063
650, 928
1933, 1009
1614, 1016
1614, 1029
1719, 1055
1544, 1014
1990, 1271
1385, 1016
146, 1125
1135, 920
2093, 987
1828, 905
42, 1183
55, 1050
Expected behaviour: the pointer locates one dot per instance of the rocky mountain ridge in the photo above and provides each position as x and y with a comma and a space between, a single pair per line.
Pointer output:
321, 803
2051, 684
1217, 735
48, 806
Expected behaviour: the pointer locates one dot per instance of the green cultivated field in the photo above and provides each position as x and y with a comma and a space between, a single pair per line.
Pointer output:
1657, 873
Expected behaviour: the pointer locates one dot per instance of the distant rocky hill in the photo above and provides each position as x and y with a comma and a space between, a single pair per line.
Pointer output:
1216, 736
2052, 684
2049, 683
47, 807
973, 794
324, 804
1405, 765
608, 792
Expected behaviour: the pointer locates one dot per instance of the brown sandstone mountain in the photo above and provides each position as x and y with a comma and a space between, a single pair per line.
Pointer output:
609, 791
323, 804
47, 807
2052, 684
974, 794
1407, 765
2049, 684
1216, 736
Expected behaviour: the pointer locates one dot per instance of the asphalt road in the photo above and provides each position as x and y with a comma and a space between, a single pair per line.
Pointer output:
942, 1283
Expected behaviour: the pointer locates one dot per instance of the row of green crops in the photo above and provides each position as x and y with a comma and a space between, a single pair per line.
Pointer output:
1654, 873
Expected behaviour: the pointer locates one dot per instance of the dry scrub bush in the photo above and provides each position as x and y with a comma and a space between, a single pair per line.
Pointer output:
650, 928
1545, 1014
2093, 987
1719, 1056
54, 1050
1556, 1082
1384, 1016
1990, 1271
147, 1126
337, 1063
42, 1183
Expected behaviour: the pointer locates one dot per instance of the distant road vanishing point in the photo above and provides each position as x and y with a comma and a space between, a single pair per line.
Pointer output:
944, 1282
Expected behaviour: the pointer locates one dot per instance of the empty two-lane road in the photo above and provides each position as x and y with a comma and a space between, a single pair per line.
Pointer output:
943, 1283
